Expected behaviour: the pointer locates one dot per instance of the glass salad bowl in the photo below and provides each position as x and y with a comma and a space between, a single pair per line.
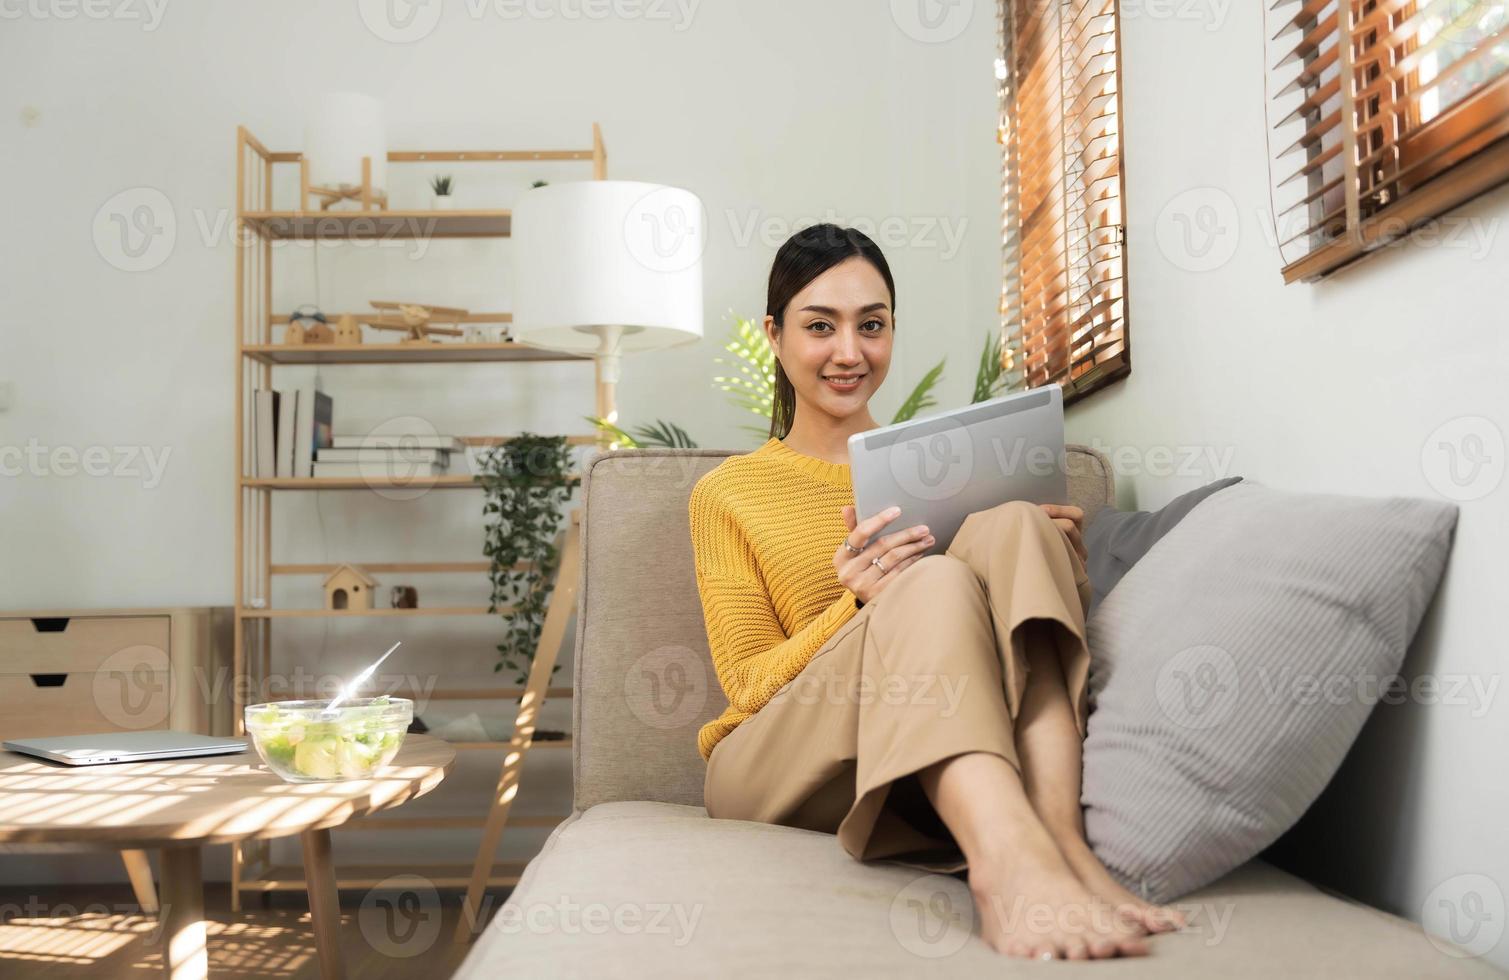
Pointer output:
304, 743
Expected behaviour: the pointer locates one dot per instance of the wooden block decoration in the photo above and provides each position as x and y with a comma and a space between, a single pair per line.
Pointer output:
348, 587
319, 333
347, 330
294, 335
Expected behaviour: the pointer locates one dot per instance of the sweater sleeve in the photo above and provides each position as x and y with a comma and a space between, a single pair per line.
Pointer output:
752, 655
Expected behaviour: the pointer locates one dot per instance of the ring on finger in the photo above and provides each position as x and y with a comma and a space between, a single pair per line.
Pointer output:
851, 549
876, 562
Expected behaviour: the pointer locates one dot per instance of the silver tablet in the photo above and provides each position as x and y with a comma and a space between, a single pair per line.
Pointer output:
99, 750
942, 468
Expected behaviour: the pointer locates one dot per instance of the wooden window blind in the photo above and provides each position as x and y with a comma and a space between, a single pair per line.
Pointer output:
1390, 113
1063, 298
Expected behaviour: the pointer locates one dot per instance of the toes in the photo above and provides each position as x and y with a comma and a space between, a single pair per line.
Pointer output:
1076, 949
1102, 947
1018, 948
1131, 947
1044, 951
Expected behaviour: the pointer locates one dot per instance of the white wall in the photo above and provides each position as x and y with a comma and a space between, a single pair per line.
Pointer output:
1337, 387
777, 113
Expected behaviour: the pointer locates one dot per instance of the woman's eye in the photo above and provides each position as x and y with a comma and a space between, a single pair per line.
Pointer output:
874, 326
816, 324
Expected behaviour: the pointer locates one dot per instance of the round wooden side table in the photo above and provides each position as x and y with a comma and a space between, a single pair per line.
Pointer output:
178, 806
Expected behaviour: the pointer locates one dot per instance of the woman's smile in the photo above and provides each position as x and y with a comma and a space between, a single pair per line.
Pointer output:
844, 382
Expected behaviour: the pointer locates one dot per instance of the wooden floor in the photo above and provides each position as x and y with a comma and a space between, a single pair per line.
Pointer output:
95, 931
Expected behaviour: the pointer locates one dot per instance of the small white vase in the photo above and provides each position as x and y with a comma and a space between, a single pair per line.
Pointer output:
442, 202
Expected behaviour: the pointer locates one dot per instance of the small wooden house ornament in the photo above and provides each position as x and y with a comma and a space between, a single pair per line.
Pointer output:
348, 587
347, 330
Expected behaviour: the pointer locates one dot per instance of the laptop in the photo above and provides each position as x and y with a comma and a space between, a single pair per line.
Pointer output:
98, 750
942, 468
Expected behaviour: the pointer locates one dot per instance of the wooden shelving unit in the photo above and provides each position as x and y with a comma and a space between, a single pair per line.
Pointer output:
260, 224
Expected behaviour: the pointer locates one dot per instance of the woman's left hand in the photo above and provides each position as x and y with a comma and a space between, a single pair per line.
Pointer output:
1071, 520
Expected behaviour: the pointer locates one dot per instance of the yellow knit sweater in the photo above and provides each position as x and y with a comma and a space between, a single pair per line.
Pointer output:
764, 528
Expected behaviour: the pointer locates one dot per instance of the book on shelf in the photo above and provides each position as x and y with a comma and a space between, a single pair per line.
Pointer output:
449, 444
283, 444
312, 428
395, 454
267, 407
397, 472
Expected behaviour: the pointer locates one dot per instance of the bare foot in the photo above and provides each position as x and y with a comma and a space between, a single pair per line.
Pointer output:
1094, 876
1032, 905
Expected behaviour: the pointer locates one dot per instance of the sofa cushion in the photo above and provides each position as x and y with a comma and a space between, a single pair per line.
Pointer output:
1117, 539
1233, 667
644, 678
655, 889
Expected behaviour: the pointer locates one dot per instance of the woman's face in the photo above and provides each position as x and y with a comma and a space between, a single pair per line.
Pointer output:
839, 326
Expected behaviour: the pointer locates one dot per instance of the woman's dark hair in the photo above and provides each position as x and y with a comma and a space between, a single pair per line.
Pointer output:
805, 256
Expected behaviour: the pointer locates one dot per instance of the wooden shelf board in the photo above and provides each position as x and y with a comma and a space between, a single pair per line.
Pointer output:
280, 878
344, 613
432, 353
382, 225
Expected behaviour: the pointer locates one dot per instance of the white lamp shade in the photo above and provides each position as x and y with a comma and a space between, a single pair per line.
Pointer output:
608, 257
342, 128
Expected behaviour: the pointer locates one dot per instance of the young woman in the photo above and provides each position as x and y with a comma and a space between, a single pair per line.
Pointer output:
928, 710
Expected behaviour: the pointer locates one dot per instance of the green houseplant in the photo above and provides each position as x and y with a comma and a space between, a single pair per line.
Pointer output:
527, 481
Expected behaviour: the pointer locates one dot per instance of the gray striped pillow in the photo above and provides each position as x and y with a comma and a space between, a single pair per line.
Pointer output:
1233, 667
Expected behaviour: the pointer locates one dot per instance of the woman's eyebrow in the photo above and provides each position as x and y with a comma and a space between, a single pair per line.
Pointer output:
830, 311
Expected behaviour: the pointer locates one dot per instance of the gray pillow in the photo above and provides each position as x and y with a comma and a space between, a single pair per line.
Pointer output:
1235, 664
1117, 539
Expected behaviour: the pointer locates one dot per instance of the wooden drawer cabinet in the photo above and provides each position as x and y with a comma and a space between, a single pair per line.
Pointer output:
69, 672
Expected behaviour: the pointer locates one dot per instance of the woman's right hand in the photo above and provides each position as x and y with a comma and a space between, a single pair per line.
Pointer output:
897, 550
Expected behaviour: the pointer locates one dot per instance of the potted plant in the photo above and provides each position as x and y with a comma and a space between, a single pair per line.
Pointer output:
527, 481
441, 185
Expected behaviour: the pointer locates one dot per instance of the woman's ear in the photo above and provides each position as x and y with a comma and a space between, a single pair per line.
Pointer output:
771, 334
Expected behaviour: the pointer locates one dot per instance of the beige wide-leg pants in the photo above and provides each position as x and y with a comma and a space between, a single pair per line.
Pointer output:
932, 667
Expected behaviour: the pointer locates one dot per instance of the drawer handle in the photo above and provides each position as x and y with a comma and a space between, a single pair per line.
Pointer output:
49, 680
50, 624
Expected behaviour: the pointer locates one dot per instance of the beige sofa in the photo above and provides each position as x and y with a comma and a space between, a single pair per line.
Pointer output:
641, 882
